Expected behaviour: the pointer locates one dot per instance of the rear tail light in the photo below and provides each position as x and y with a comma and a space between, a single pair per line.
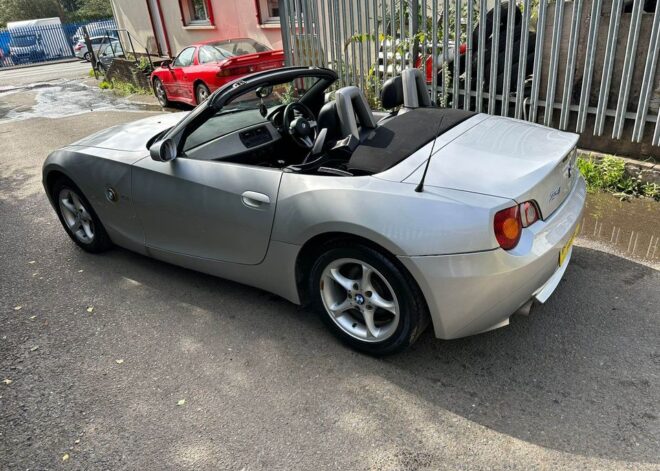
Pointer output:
508, 227
78, 47
235, 71
508, 223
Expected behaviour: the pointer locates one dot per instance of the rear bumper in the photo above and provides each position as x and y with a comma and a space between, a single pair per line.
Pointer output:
476, 292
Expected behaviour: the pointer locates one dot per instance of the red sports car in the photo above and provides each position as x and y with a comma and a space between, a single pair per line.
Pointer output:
201, 68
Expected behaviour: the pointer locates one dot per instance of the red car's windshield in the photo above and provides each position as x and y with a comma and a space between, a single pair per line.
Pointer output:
220, 50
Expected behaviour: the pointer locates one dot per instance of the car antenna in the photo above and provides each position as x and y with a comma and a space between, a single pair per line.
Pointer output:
420, 186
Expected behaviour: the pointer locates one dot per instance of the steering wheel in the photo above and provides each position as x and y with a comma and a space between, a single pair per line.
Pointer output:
302, 128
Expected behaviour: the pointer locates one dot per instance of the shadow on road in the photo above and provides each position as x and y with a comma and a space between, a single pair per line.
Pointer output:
576, 376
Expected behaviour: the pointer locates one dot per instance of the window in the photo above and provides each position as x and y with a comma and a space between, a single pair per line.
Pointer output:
213, 54
196, 12
269, 11
238, 47
185, 57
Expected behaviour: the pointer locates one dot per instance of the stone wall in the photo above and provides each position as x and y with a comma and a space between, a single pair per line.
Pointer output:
127, 71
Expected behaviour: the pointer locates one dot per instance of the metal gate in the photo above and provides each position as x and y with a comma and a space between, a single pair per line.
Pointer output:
588, 66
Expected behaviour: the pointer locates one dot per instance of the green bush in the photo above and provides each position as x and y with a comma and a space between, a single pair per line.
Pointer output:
103, 85
609, 174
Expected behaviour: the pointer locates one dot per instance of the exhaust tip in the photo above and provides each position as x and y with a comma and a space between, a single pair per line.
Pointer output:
525, 309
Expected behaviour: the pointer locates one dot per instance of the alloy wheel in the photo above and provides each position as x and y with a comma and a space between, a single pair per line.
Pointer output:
160, 92
360, 300
202, 94
76, 216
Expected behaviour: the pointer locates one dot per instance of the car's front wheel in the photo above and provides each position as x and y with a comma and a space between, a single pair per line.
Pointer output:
78, 218
161, 94
367, 299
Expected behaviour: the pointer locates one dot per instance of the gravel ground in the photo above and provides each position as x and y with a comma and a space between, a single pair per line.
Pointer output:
121, 362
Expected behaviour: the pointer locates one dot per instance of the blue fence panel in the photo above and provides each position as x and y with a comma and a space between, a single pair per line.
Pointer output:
43, 43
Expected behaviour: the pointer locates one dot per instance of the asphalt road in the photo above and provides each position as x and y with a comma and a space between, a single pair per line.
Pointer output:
574, 386
43, 73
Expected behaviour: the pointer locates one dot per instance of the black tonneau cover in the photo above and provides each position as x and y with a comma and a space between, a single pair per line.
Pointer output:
399, 137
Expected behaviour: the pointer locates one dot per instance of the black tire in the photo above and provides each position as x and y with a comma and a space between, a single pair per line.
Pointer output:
201, 90
162, 97
413, 312
101, 241
87, 56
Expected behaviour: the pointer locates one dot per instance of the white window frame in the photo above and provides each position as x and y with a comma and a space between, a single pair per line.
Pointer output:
188, 12
265, 17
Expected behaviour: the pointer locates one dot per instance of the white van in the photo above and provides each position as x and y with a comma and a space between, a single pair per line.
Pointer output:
37, 40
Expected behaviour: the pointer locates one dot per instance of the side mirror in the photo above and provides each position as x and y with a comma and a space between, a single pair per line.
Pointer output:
263, 92
166, 63
163, 151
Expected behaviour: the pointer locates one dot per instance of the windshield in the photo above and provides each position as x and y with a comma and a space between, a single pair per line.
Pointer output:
249, 109
25, 40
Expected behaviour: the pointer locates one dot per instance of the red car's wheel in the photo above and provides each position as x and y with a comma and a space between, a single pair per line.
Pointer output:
161, 94
202, 93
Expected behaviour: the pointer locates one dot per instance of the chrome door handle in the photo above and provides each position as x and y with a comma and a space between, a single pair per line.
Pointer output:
252, 199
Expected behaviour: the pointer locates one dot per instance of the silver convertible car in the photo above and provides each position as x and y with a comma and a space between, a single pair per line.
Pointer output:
384, 222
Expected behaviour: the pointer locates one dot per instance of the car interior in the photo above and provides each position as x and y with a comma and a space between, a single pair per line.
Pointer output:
342, 137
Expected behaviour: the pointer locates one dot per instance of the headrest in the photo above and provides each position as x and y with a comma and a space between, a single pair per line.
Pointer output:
328, 117
415, 93
391, 95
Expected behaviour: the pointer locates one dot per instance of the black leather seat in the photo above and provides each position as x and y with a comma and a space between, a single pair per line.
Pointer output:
329, 119
391, 95
404, 93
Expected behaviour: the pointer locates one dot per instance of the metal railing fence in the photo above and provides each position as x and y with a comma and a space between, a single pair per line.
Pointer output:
581, 65
43, 43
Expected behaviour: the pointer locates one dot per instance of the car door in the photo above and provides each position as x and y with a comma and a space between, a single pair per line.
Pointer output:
177, 86
206, 209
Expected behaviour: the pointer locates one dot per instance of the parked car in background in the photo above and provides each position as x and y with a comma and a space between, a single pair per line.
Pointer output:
98, 43
95, 28
107, 55
199, 69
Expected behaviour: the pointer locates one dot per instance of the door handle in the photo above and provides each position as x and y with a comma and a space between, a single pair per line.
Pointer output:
252, 199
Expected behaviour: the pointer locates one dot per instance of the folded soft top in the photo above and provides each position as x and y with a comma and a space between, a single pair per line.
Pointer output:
401, 136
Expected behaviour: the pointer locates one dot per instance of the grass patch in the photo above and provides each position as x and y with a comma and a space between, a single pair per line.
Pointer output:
123, 88
609, 174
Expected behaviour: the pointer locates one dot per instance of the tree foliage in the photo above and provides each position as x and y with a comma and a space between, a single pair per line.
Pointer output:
67, 10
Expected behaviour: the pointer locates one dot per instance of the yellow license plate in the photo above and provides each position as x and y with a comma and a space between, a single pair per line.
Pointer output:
563, 253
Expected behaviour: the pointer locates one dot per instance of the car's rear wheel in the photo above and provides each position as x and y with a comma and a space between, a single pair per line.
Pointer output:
161, 94
367, 300
78, 218
87, 56
202, 93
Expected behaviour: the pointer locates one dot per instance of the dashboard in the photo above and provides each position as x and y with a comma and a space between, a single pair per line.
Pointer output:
237, 142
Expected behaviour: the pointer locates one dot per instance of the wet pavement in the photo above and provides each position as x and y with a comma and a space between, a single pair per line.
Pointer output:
61, 99
630, 228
